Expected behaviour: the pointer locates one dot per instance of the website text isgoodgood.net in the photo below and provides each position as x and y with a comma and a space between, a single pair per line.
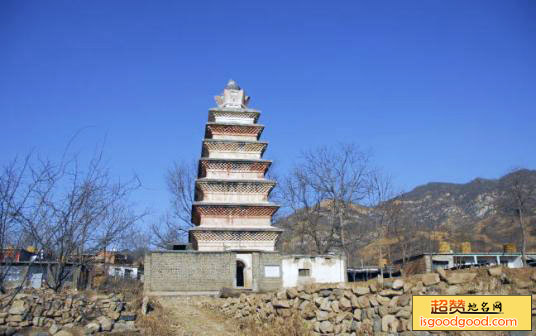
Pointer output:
466, 322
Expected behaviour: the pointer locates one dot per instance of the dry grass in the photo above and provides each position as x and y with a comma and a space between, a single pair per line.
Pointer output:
130, 288
156, 323
291, 326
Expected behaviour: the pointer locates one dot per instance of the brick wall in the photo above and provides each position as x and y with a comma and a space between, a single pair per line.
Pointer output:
266, 259
188, 271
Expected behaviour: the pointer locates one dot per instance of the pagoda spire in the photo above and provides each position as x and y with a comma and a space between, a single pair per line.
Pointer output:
232, 97
232, 85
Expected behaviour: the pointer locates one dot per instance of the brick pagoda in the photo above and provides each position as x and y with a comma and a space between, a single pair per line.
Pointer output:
231, 211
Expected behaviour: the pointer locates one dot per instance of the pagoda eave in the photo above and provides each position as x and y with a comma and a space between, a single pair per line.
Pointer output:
200, 209
231, 165
218, 181
250, 115
233, 109
233, 129
233, 205
224, 141
224, 187
238, 146
236, 160
252, 229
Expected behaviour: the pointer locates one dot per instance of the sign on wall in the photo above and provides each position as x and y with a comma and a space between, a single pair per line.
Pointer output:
271, 271
36, 280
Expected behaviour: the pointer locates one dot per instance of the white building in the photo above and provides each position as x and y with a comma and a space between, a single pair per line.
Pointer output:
303, 269
123, 271
428, 262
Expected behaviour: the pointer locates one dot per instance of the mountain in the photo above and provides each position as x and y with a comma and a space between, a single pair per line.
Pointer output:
433, 213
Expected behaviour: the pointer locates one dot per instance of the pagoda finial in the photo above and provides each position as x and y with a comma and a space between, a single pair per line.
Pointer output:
233, 97
232, 85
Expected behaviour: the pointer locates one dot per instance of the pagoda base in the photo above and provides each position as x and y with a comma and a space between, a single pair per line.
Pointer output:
211, 240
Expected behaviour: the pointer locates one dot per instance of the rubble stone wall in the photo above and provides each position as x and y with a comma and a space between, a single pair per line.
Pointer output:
373, 308
64, 311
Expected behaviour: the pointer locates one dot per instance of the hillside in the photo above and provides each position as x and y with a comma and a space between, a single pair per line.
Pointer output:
449, 212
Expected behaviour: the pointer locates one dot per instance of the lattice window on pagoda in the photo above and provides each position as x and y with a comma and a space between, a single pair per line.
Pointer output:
235, 187
215, 210
233, 170
235, 192
233, 150
236, 235
233, 132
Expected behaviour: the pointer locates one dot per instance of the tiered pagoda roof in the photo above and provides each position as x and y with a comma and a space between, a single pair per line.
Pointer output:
232, 210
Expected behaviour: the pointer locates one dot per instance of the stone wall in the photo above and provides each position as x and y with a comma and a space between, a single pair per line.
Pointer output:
188, 272
373, 308
60, 313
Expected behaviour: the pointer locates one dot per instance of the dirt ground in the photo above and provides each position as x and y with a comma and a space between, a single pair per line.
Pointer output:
188, 318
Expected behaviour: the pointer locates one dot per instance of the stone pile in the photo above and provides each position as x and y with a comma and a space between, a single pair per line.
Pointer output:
373, 308
60, 312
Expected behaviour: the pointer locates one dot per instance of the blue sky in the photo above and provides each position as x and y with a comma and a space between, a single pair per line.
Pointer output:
439, 90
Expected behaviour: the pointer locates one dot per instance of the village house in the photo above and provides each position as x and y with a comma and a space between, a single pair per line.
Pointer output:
448, 259
12, 254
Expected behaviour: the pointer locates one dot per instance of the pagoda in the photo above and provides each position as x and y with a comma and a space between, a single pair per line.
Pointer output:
231, 210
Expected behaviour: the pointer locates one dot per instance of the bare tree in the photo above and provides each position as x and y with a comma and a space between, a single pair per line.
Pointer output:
402, 228
385, 213
116, 229
321, 190
518, 199
305, 222
16, 187
173, 226
138, 244
73, 210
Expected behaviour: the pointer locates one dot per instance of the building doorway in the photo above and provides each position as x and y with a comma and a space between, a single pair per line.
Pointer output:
240, 273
